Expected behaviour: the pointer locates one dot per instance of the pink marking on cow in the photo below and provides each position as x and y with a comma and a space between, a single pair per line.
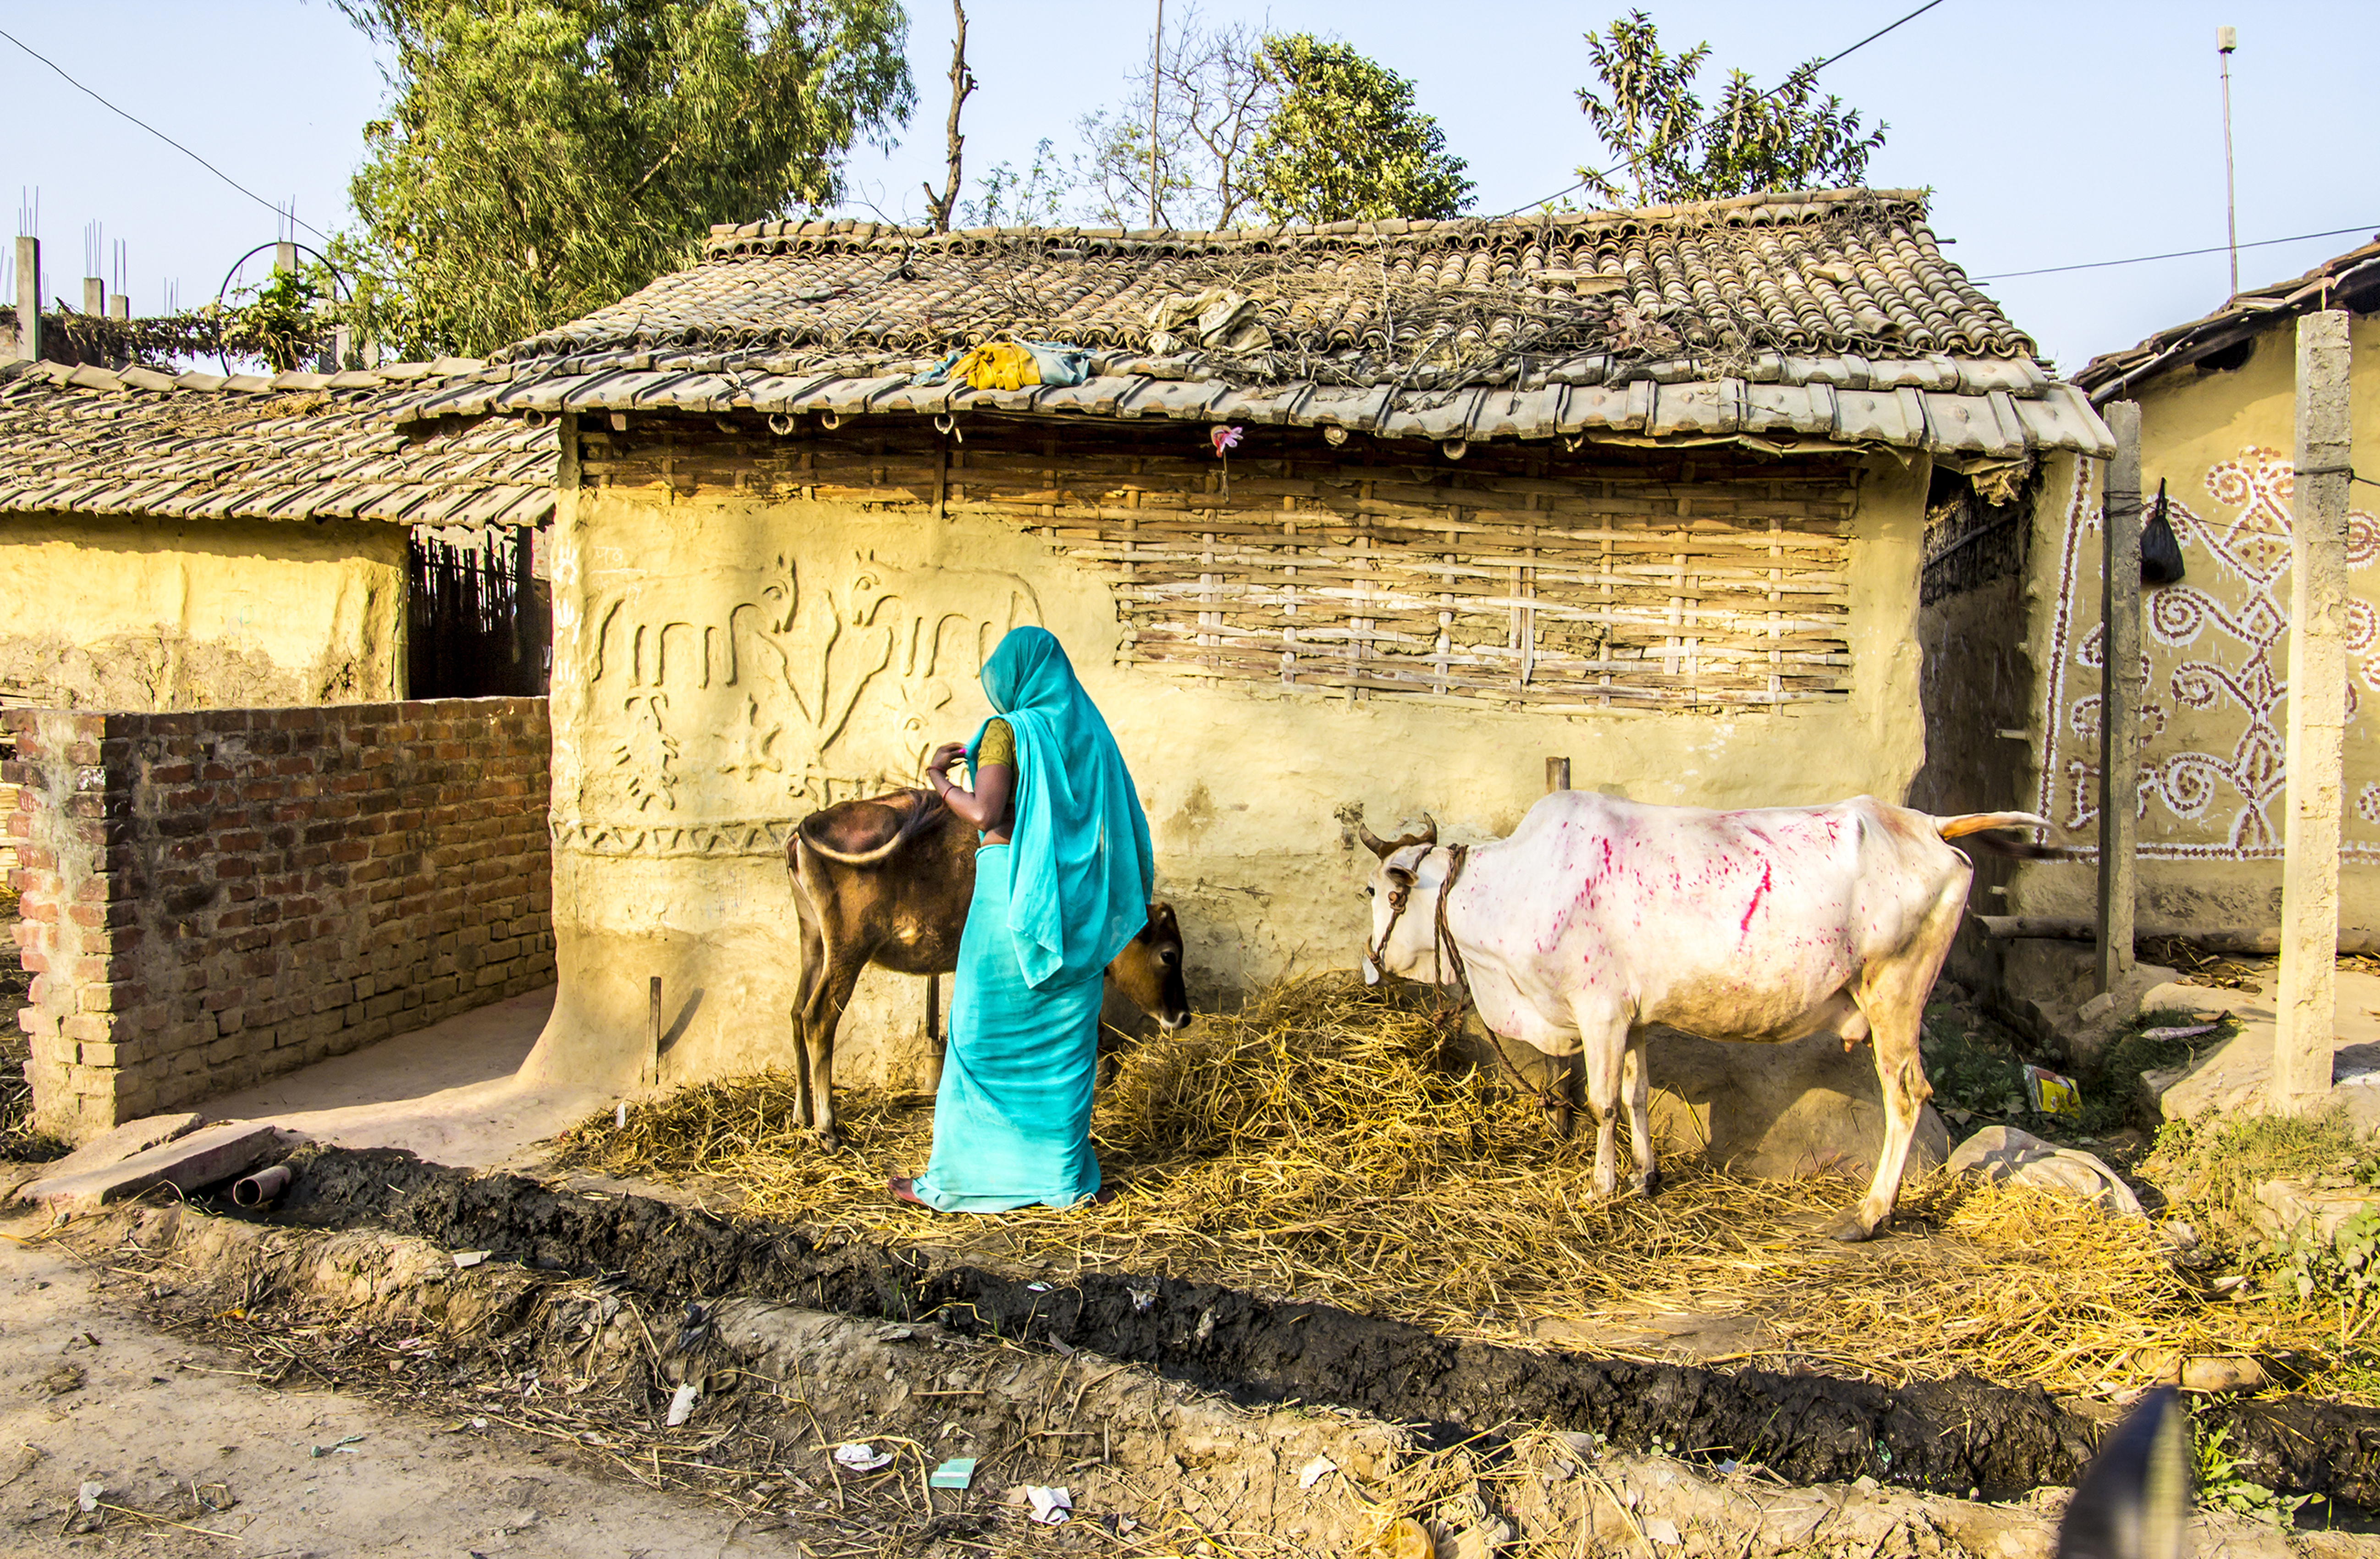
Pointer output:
1757, 894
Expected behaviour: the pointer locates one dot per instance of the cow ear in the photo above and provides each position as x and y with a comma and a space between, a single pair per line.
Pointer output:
1401, 876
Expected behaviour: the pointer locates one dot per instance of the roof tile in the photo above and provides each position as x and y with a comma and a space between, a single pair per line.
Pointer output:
191, 446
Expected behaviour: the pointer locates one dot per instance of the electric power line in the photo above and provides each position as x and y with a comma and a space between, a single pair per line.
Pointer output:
2175, 254
158, 133
1772, 91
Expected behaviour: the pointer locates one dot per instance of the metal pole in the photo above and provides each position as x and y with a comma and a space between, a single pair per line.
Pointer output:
1156, 60
2119, 697
2307, 1009
2225, 40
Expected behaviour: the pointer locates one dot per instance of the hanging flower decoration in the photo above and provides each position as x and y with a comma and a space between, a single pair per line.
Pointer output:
1225, 440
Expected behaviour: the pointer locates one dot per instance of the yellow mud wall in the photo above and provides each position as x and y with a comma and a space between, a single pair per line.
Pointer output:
723, 666
2214, 782
146, 614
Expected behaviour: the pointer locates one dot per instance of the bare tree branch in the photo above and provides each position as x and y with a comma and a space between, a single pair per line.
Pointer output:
962, 85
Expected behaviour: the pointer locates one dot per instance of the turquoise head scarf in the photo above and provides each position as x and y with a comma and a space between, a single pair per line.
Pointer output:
1079, 860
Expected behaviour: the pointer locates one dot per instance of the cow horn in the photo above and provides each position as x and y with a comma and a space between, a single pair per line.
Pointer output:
1373, 843
1428, 834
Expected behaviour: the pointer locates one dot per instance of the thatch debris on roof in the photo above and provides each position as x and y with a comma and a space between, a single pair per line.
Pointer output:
1789, 322
286, 446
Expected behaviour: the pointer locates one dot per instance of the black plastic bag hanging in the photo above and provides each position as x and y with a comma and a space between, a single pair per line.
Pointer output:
2160, 548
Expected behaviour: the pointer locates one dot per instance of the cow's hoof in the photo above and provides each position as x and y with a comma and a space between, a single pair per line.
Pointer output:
1648, 1184
1849, 1227
830, 1139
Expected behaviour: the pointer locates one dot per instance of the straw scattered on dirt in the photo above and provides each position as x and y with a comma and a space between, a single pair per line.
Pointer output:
1313, 1145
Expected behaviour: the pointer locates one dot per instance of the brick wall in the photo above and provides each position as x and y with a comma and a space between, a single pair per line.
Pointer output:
212, 897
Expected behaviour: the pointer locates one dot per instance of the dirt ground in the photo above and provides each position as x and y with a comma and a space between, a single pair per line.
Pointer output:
472, 1441
90, 1392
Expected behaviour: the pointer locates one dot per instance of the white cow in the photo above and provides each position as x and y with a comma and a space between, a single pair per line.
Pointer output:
1600, 917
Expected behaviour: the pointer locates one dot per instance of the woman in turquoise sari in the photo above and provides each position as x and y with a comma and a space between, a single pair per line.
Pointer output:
1062, 882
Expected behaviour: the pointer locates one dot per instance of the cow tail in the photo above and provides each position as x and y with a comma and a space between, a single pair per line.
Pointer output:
1986, 824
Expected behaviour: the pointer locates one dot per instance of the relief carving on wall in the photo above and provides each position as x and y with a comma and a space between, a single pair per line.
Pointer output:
2215, 659
825, 682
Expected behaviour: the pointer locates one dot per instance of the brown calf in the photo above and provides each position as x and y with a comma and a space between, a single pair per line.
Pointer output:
887, 881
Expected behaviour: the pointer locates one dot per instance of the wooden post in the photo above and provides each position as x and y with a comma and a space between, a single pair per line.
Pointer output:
1557, 775
28, 297
2119, 697
2307, 1009
652, 1068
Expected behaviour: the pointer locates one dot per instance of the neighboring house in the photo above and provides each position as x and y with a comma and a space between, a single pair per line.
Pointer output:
2013, 616
1644, 490
187, 541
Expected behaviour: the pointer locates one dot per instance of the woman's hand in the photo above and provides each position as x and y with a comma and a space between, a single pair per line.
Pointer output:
946, 755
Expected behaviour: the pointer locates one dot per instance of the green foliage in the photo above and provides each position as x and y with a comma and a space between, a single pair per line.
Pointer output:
2344, 1269
2222, 1485
543, 158
2210, 1167
1972, 1068
1009, 199
1976, 1070
286, 321
1651, 117
1344, 142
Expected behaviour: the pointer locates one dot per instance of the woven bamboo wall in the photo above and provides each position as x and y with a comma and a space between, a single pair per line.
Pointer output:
1516, 577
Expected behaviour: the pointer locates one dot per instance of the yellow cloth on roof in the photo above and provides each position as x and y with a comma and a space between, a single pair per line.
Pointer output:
1002, 365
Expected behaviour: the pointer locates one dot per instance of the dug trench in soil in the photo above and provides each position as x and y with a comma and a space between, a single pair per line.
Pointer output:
742, 1400
1944, 1436
491, 1350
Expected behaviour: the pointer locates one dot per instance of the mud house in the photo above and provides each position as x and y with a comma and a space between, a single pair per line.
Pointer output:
1377, 515
237, 853
187, 541
2013, 612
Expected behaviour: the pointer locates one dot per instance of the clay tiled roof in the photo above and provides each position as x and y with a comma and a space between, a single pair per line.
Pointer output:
2348, 281
287, 446
1828, 317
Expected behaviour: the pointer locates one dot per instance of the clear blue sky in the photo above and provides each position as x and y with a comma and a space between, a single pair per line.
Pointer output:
2050, 133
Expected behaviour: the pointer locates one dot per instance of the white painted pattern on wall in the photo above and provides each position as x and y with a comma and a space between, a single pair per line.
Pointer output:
2215, 654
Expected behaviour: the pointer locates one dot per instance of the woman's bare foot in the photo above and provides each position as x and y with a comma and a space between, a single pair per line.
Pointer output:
904, 1188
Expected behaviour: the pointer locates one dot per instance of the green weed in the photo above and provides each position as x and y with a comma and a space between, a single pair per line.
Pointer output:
2222, 1486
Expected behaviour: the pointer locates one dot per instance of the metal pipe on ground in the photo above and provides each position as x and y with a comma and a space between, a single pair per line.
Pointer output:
260, 1189
2253, 944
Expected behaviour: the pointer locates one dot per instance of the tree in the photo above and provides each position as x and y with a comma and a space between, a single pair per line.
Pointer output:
1212, 102
1649, 116
962, 87
543, 158
1344, 142
1034, 198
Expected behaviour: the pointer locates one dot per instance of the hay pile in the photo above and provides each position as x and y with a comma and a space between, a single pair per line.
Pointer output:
1313, 1145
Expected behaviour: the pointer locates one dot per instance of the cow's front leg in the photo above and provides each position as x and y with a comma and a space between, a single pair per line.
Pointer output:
1603, 1040
1638, 1082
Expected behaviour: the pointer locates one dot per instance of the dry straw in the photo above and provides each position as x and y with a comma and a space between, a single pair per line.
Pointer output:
1314, 1145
